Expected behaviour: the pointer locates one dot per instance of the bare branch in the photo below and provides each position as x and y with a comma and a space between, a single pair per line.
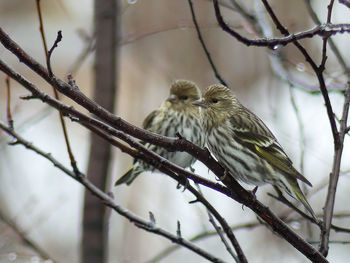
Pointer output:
197, 194
320, 30
109, 201
236, 192
244, 226
89, 121
228, 231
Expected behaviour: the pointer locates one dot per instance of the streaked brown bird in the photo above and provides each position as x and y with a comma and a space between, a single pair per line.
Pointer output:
243, 144
175, 115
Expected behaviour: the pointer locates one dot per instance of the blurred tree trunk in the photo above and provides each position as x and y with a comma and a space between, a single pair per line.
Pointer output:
95, 221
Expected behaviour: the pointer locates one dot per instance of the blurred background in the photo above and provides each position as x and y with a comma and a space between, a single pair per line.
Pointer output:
158, 44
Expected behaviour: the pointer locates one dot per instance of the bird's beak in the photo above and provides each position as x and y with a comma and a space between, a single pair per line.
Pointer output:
200, 103
173, 98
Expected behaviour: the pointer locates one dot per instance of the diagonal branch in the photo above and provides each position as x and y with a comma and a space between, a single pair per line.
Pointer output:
236, 192
89, 121
199, 197
228, 230
108, 200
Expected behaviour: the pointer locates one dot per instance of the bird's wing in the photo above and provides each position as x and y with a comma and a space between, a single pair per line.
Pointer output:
254, 135
148, 122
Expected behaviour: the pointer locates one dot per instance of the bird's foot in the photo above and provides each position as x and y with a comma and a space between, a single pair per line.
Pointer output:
254, 190
222, 178
185, 185
192, 169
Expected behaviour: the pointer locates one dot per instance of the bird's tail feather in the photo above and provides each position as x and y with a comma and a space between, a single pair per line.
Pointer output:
298, 194
129, 176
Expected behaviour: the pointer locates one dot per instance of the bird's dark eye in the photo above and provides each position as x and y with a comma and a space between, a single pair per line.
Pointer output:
183, 97
214, 100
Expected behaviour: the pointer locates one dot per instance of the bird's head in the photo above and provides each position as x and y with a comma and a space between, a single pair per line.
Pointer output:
182, 94
218, 99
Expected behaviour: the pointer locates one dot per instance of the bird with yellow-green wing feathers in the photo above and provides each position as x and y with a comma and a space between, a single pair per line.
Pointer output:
175, 115
243, 144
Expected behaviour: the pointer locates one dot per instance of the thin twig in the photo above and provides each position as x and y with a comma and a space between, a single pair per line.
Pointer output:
41, 26
217, 75
48, 64
245, 226
247, 16
285, 201
49, 53
334, 176
332, 45
224, 224
8, 101
329, 14
325, 39
166, 252
220, 232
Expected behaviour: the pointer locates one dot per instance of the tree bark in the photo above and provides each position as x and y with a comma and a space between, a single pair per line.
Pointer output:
95, 222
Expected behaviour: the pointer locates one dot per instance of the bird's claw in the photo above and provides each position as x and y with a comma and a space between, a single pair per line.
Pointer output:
178, 135
185, 185
222, 178
254, 190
